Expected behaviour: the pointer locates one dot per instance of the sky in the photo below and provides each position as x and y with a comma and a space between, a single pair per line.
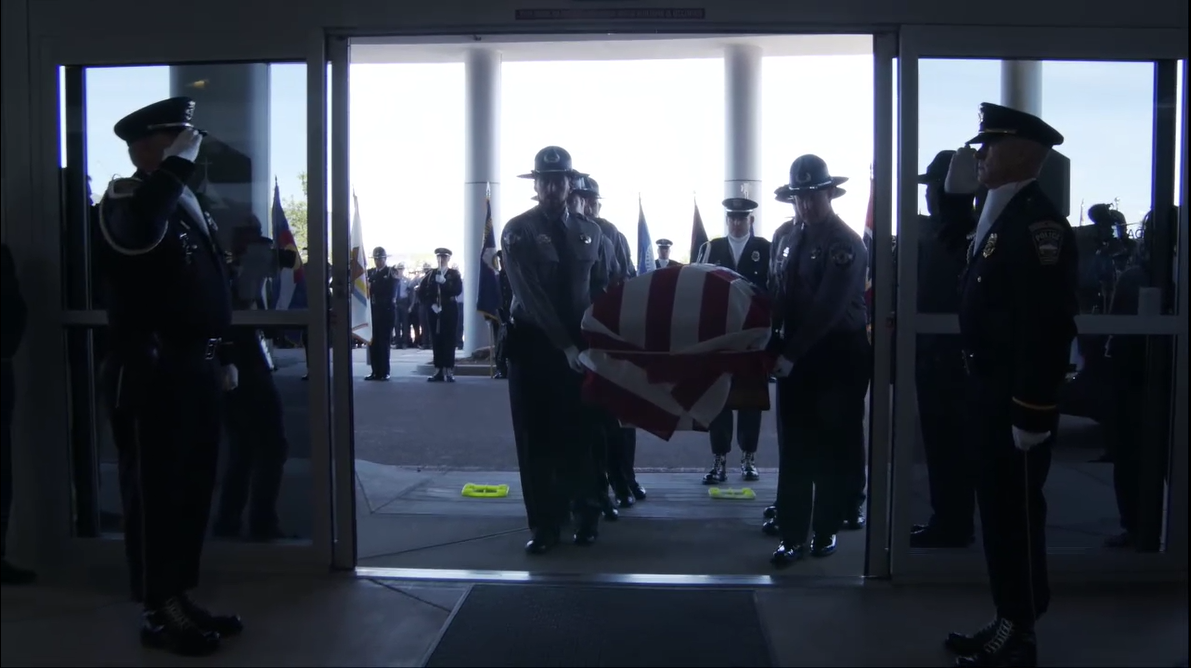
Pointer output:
654, 133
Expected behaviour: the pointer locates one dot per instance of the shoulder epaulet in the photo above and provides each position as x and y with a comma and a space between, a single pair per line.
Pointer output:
120, 188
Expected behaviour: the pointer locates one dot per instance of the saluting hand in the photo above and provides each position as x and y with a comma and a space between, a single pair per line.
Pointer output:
185, 146
440, 279
1026, 440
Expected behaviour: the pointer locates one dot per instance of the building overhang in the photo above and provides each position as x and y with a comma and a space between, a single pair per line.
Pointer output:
605, 46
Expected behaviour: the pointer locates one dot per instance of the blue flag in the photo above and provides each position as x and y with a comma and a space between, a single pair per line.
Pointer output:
645, 263
488, 293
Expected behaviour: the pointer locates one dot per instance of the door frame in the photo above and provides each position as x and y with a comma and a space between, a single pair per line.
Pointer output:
922, 42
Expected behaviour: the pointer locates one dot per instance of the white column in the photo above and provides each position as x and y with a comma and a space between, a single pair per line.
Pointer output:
232, 105
481, 102
742, 125
1021, 85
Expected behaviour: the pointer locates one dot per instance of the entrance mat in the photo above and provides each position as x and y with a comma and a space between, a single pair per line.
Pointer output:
545, 625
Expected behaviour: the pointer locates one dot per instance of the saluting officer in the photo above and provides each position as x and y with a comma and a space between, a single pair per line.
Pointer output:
663, 259
939, 374
823, 367
747, 255
163, 377
1017, 320
440, 292
554, 261
382, 295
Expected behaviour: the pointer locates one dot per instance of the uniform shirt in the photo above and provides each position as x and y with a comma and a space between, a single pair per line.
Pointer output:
1018, 306
752, 261
382, 288
821, 270
553, 266
737, 245
994, 204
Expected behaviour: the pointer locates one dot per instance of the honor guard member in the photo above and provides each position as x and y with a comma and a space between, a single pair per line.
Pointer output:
554, 262
939, 374
440, 292
747, 255
16, 316
1017, 320
163, 377
663, 260
823, 366
621, 441
382, 296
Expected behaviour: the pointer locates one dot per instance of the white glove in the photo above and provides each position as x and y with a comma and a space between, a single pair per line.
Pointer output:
436, 308
1026, 440
783, 367
231, 378
440, 279
961, 175
185, 146
572, 354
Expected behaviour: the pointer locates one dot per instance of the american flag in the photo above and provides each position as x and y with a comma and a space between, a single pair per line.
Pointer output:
665, 346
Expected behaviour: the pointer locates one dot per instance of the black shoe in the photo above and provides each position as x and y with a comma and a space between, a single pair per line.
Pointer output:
770, 512
13, 575
718, 473
451, 378
1010, 645
771, 528
587, 530
637, 490
748, 467
967, 644
787, 553
371, 376
1123, 539
499, 375
268, 534
542, 542
306, 376
625, 501
823, 545
609, 511
855, 521
226, 626
935, 537
436, 378
171, 629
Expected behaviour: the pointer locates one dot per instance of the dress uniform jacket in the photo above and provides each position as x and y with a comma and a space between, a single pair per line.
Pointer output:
754, 260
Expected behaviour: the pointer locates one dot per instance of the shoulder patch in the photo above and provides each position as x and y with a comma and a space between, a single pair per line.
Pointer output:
842, 254
121, 188
1047, 237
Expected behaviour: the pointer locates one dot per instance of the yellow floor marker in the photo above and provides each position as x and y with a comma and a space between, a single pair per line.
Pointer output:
731, 494
474, 491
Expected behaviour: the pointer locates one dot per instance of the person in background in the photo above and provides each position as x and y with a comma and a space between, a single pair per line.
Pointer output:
404, 296
663, 259
382, 296
15, 314
439, 291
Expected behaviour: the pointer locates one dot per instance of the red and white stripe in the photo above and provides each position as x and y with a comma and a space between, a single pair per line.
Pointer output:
663, 346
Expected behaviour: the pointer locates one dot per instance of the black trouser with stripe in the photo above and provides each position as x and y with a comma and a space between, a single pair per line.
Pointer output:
165, 417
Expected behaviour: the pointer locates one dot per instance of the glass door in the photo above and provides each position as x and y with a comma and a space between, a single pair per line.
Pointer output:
1112, 492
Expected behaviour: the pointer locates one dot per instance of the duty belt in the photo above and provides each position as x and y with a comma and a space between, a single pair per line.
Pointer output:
207, 349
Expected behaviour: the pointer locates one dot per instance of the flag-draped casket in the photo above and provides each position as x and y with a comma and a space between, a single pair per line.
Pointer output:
670, 349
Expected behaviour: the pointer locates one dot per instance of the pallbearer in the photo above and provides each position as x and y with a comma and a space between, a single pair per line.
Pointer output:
555, 262
439, 293
663, 259
747, 255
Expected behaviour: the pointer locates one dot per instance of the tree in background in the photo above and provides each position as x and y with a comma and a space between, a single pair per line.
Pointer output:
295, 213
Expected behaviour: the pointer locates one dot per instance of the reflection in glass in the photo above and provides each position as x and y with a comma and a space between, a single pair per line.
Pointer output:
1107, 482
263, 490
254, 116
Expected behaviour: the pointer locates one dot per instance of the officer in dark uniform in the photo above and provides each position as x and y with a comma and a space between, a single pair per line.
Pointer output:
439, 291
747, 255
403, 295
554, 261
163, 378
16, 315
939, 376
823, 367
663, 259
1017, 320
382, 295
621, 442
257, 445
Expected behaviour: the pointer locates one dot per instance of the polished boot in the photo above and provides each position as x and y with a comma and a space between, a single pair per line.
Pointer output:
1123, 539
171, 629
787, 553
450, 375
224, 625
608, 510
748, 466
625, 500
936, 537
823, 545
1010, 645
770, 512
637, 490
967, 644
438, 377
587, 529
855, 520
542, 542
771, 528
718, 472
